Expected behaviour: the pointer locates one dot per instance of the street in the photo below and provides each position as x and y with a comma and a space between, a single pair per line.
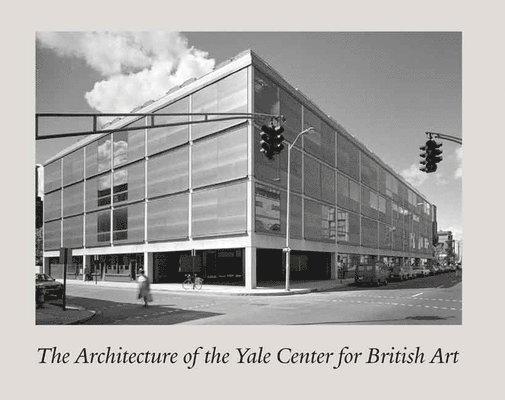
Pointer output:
430, 300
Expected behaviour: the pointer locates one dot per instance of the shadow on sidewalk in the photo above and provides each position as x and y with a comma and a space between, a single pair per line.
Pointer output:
127, 313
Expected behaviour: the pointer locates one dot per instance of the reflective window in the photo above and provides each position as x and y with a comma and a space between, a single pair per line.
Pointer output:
321, 141
128, 146
312, 178
327, 184
98, 156
220, 210
168, 172
268, 209
266, 95
52, 205
72, 232
128, 224
385, 236
270, 212
229, 95
73, 167
220, 158
369, 171
342, 191
320, 221
348, 229
160, 139
347, 156
73, 199
167, 218
52, 176
369, 203
381, 180
354, 196
98, 228
292, 111
369, 234
52, 235
382, 208
98, 191
128, 183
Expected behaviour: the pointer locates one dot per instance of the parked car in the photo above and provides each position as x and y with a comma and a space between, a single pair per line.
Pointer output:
401, 272
49, 286
434, 270
422, 271
376, 274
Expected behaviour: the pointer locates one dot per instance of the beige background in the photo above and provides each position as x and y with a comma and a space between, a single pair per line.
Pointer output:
479, 340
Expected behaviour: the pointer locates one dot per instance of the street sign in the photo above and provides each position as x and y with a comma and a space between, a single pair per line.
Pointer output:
65, 255
286, 249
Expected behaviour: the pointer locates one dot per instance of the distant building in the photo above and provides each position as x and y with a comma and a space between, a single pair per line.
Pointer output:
151, 197
445, 251
39, 216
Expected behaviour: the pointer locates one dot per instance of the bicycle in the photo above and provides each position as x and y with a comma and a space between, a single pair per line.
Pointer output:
192, 283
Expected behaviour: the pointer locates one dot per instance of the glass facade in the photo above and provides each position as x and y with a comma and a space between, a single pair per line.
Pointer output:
172, 183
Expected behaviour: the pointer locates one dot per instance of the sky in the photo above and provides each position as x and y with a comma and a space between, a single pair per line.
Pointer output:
386, 89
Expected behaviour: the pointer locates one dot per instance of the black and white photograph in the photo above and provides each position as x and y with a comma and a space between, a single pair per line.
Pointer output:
248, 178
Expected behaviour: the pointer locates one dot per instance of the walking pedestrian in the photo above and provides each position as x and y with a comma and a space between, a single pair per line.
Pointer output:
144, 288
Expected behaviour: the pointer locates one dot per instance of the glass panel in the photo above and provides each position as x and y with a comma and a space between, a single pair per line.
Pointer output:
348, 230
220, 211
160, 139
168, 172
381, 180
312, 141
128, 146
220, 158
369, 233
266, 95
369, 203
52, 176
128, 224
268, 209
73, 167
167, 218
52, 205
328, 184
98, 228
73, 199
129, 183
382, 208
98, 191
52, 235
347, 157
292, 111
312, 178
72, 232
369, 171
320, 221
342, 191
98, 156
354, 196
229, 95
385, 236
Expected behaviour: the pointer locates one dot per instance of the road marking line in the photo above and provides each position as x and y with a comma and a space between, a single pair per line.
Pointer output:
427, 307
417, 294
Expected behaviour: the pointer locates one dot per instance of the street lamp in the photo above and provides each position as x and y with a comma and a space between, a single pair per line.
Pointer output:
287, 249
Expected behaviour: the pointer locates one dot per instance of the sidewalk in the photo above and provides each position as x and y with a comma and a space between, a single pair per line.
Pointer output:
53, 314
273, 288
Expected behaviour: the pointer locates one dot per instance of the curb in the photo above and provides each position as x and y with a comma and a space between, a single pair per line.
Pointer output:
79, 321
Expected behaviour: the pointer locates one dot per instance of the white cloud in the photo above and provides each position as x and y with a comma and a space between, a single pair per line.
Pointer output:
458, 174
137, 66
414, 175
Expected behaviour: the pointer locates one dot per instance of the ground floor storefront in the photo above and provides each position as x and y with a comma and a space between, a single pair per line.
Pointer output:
238, 266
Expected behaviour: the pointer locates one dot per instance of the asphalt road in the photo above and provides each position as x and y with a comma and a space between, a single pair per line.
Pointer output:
430, 300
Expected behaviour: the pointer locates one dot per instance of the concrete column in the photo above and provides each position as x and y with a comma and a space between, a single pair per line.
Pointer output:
148, 265
250, 267
86, 265
333, 273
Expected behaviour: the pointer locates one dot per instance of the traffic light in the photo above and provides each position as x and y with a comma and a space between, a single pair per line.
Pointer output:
271, 140
431, 156
267, 141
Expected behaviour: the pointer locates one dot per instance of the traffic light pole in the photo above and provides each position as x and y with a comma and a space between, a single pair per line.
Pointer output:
287, 249
445, 137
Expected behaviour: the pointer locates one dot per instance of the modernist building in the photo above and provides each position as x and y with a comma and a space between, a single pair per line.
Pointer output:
445, 251
151, 197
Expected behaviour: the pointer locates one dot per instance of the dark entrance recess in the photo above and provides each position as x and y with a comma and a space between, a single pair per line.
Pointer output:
222, 266
305, 265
